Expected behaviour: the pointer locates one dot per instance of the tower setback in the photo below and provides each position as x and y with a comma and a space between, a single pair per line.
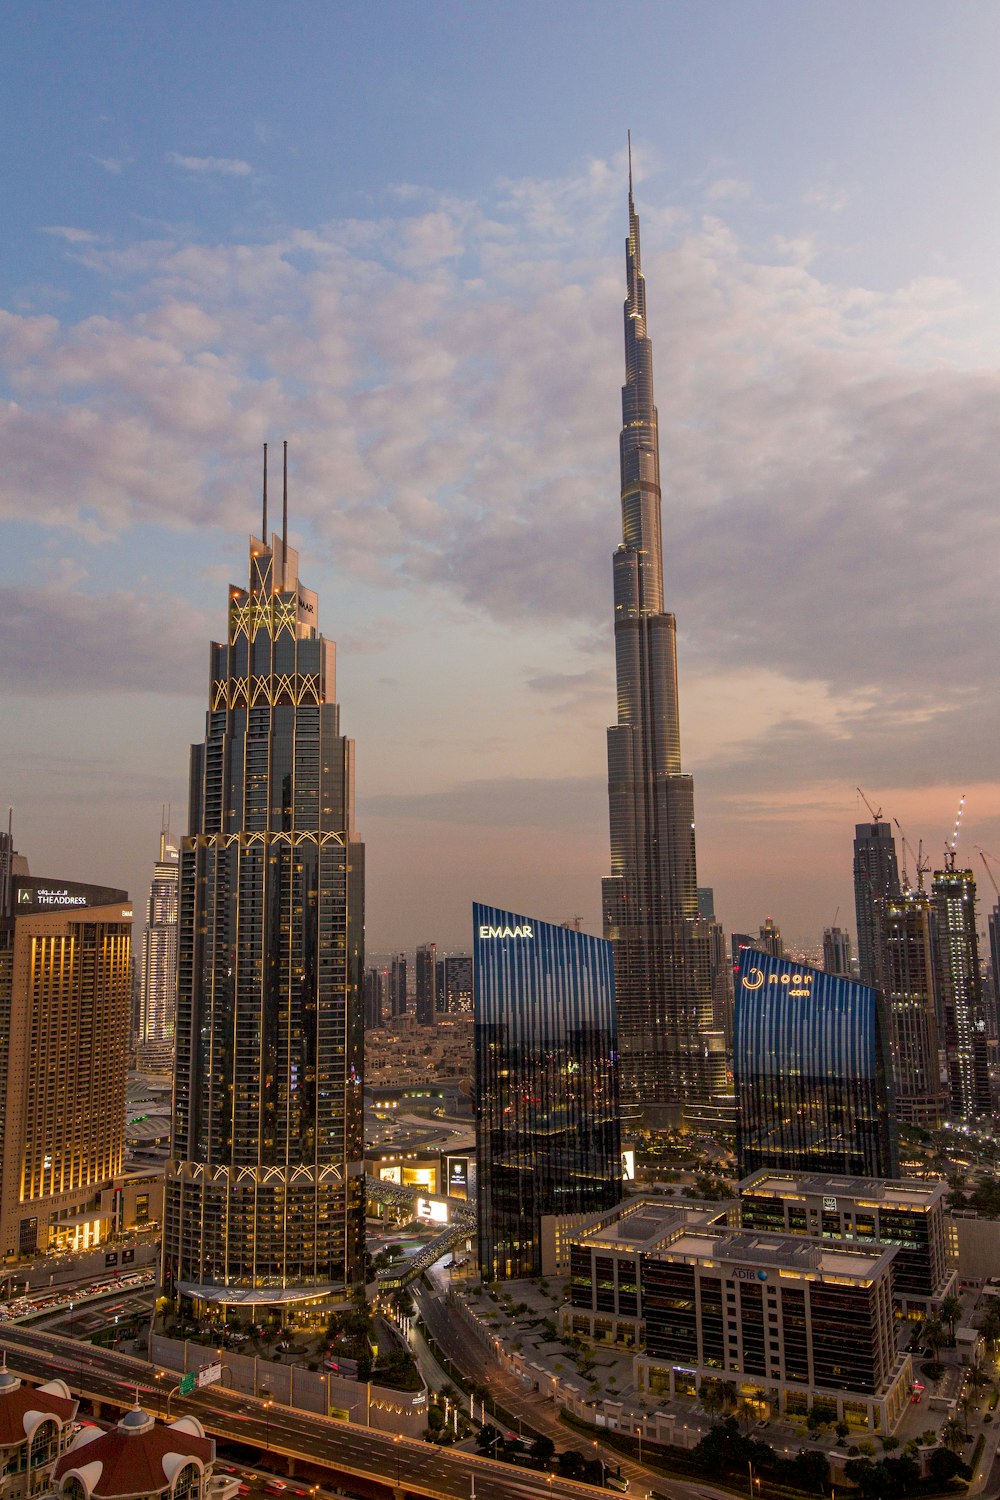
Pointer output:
264, 1189
670, 1055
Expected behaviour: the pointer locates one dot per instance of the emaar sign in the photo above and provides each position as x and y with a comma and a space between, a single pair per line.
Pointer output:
524, 931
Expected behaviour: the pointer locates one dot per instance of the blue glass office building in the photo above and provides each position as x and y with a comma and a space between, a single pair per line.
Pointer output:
813, 1072
547, 1113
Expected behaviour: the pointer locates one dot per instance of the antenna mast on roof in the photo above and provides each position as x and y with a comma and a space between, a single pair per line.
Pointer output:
284, 525
263, 524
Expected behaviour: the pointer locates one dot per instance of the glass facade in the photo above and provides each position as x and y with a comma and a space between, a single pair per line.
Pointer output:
876, 882
547, 1110
671, 1055
959, 988
908, 977
264, 1189
813, 1074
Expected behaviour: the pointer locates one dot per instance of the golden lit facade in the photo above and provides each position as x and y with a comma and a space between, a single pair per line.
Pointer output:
64, 997
264, 1192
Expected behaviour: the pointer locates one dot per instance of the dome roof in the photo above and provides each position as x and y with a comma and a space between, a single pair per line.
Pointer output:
136, 1420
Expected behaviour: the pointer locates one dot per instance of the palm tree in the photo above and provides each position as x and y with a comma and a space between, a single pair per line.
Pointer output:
952, 1435
934, 1334
951, 1311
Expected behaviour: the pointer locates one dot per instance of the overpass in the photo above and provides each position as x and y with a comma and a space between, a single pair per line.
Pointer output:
376, 1464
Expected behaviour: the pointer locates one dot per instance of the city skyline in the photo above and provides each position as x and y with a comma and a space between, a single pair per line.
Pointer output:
432, 316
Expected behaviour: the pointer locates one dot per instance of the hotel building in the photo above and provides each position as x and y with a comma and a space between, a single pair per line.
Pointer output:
65, 961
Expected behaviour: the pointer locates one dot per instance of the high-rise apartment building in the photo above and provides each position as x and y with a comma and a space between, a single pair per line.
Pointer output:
837, 951
769, 938
959, 989
993, 924
876, 882
548, 1123
376, 997
454, 984
65, 964
813, 1072
159, 951
397, 986
670, 1053
720, 971
910, 993
426, 982
265, 1186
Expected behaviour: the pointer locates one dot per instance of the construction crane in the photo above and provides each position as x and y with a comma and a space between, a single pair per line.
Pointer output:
876, 816
949, 849
922, 865
983, 856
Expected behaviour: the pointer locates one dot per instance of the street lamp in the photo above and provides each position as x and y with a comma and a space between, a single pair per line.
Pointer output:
599, 1457
396, 1441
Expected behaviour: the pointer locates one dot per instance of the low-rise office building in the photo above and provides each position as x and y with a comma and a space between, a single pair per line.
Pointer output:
791, 1321
907, 1214
605, 1253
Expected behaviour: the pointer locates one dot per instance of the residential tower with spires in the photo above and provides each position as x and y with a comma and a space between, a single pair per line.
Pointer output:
264, 1189
672, 1060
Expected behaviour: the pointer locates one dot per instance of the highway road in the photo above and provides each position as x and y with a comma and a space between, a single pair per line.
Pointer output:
377, 1463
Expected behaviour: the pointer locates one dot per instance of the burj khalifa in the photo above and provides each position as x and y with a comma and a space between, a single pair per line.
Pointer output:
671, 1058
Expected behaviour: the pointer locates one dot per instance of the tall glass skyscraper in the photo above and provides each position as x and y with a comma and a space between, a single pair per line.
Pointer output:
264, 1189
876, 883
547, 1112
670, 1054
910, 993
959, 987
813, 1072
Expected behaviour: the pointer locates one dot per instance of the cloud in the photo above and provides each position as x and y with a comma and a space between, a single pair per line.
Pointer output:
71, 235
728, 190
113, 164
224, 166
60, 641
449, 381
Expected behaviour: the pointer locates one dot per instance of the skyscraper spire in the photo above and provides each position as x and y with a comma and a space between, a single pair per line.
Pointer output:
670, 1055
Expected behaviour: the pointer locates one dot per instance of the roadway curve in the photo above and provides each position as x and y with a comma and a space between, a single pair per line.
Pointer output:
388, 1465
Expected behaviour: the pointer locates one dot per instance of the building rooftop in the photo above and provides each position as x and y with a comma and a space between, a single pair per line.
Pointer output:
791, 1254
22, 1406
139, 1456
888, 1192
643, 1223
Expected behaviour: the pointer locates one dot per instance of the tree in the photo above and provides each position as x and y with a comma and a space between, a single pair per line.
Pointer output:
934, 1334
811, 1471
543, 1449
711, 1396
991, 1324
944, 1466
952, 1435
951, 1311
572, 1464
843, 1431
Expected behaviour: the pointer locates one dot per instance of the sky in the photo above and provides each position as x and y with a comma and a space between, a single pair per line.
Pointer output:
393, 234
